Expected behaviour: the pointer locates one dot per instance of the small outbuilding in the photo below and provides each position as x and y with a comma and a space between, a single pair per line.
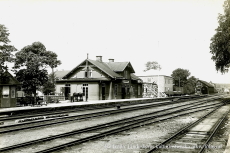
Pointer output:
203, 87
8, 90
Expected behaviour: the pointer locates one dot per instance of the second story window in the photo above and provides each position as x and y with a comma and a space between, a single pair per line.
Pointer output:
88, 74
126, 74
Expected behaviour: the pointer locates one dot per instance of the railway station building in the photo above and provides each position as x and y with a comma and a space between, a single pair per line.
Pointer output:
8, 90
203, 87
98, 80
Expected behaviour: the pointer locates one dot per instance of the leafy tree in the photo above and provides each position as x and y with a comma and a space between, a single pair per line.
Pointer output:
220, 42
52, 63
32, 79
193, 80
152, 65
32, 61
6, 52
180, 76
49, 86
182, 79
189, 87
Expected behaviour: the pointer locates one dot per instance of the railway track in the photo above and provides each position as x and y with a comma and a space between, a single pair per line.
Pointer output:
191, 139
18, 116
122, 125
93, 107
55, 121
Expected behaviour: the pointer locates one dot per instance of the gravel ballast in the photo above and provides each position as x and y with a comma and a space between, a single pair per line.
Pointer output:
136, 140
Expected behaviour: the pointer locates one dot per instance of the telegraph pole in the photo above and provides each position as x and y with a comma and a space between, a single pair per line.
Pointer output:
179, 83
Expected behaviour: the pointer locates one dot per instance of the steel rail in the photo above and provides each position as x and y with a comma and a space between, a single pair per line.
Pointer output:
118, 122
110, 132
94, 106
183, 130
167, 103
217, 126
100, 107
77, 117
83, 115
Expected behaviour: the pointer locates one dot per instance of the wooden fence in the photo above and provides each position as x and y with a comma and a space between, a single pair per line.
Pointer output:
53, 98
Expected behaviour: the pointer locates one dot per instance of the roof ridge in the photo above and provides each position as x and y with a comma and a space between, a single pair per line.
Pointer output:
105, 64
118, 62
205, 82
126, 66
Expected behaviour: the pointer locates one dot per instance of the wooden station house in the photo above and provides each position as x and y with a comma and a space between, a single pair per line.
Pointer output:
203, 87
99, 80
8, 90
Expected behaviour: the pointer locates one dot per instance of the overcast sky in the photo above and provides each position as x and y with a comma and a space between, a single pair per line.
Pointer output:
175, 33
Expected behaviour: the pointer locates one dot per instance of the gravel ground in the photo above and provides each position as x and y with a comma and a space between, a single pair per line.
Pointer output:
32, 134
141, 137
136, 140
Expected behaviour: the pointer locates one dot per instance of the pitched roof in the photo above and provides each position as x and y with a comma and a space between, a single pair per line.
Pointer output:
101, 65
110, 68
105, 68
84, 79
61, 74
119, 66
10, 80
134, 77
155, 76
206, 83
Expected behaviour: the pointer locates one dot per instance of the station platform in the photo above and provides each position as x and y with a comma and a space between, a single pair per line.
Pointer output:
68, 104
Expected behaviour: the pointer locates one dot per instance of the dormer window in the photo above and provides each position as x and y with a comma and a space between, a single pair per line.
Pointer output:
88, 74
198, 84
126, 74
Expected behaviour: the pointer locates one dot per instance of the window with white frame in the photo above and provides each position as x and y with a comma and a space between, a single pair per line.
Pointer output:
6, 92
139, 90
88, 74
12, 92
126, 74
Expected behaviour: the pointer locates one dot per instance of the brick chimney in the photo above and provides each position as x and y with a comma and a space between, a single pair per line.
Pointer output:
99, 58
111, 60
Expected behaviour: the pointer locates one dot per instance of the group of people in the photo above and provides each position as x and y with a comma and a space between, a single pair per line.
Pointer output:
77, 97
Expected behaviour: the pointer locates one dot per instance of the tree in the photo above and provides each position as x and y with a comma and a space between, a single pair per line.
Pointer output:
152, 65
180, 76
49, 86
190, 85
6, 51
32, 79
53, 63
220, 42
32, 61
